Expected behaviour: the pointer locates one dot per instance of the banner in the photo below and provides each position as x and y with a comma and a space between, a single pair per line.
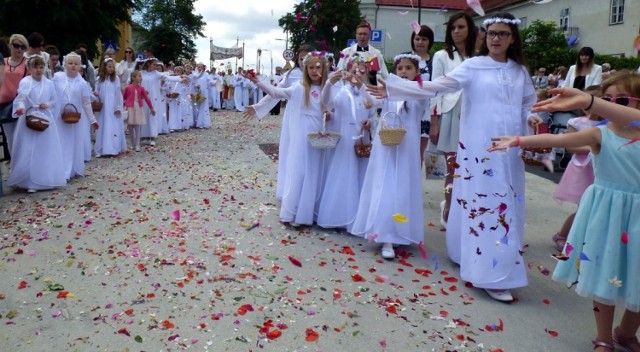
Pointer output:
220, 53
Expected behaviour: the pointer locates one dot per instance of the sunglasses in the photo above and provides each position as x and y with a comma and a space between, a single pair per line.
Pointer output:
128, 52
18, 46
623, 100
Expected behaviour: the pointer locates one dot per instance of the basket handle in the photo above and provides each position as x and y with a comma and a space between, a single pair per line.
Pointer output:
324, 122
73, 106
362, 132
383, 119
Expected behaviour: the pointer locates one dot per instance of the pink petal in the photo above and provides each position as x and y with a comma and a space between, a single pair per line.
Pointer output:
176, 215
423, 252
625, 237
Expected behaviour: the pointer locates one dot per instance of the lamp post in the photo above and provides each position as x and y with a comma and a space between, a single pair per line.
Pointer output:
260, 55
286, 44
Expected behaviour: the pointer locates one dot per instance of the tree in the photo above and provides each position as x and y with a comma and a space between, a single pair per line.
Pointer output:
66, 24
326, 24
171, 26
546, 46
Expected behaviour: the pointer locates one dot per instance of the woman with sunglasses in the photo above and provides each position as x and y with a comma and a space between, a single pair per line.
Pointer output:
126, 66
15, 68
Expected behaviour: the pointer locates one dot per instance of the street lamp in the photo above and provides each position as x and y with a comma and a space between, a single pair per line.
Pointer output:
286, 45
271, 54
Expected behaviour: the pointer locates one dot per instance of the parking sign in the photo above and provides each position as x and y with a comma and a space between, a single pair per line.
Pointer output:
376, 36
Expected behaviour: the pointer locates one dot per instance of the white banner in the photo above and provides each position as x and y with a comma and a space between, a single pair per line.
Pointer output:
220, 53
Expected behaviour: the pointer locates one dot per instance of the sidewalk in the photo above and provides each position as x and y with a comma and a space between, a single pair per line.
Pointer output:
179, 247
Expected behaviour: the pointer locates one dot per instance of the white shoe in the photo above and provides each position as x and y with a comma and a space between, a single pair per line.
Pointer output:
137, 149
294, 224
152, 143
387, 251
442, 222
31, 191
98, 155
500, 295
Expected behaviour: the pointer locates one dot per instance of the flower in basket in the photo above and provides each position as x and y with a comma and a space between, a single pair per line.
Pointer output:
199, 97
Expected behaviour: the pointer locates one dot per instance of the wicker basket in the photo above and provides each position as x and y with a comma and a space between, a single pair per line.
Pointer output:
70, 114
529, 153
96, 105
363, 150
391, 136
173, 95
35, 122
323, 139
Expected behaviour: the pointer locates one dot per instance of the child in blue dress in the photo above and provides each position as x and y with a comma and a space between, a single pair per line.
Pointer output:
601, 254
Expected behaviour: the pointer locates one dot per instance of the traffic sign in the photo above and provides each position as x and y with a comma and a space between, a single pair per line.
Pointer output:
288, 54
376, 36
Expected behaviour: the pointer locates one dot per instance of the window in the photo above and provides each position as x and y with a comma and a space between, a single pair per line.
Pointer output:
617, 11
564, 19
523, 22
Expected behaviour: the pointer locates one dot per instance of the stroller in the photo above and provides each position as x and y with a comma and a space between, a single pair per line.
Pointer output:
558, 123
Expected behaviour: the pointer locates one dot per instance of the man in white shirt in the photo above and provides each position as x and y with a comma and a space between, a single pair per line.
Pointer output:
214, 89
238, 91
363, 34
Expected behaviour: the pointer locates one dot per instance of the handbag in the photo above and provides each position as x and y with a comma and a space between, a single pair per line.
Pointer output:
363, 150
6, 112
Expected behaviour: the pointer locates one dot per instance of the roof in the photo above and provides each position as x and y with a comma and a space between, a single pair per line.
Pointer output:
487, 5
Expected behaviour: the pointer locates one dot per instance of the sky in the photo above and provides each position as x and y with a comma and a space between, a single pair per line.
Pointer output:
254, 22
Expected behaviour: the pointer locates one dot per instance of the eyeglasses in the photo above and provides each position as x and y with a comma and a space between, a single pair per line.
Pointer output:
622, 100
128, 52
18, 46
500, 35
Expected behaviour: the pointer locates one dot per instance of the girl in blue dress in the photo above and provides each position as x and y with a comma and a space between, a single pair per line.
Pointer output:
601, 257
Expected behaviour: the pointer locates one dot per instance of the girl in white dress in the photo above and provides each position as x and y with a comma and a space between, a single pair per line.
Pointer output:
353, 112
390, 209
152, 81
73, 93
292, 78
36, 158
110, 139
201, 83
179, 103
306, 165
487, 235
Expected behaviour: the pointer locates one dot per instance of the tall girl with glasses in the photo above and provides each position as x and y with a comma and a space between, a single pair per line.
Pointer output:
126, 66
601, 254
487, 235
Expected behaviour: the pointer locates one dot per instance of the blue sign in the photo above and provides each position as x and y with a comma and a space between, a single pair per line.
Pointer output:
376, 36
139, 56
350, 42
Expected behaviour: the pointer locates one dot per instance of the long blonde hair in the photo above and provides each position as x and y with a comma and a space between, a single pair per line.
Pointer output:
306, 80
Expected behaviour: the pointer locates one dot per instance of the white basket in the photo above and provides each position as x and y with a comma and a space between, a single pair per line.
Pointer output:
323, 139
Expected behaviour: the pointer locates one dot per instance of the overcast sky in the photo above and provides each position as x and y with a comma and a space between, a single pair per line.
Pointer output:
254, 22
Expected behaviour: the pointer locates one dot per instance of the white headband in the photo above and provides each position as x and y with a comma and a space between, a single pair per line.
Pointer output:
407, 56
69, 56
490, 21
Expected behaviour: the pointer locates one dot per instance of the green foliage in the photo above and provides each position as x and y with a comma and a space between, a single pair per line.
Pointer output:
170, 28
66, 24
546, 46
619, 63
313, 22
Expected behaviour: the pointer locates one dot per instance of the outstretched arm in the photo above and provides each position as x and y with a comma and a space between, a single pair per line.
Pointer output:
570, 98
589, 137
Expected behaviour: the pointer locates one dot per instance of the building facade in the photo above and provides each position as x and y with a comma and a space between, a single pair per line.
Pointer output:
608, 26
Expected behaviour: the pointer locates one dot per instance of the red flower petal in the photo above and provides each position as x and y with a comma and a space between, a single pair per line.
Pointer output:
311, 335
295, 261
274, 334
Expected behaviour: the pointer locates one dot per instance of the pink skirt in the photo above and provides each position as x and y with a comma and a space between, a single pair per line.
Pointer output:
135, 115
576, 178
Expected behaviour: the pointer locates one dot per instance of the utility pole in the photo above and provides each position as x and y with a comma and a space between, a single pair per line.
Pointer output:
237, 42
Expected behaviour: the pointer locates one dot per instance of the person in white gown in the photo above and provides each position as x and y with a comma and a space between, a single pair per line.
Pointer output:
201, 82
74, 94
487, 236
264, 106
353, 113
36, 160
215, 88
390, 209
110, 138
306, 165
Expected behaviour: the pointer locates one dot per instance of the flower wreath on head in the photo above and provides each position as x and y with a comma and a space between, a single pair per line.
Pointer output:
493, 20
322, 55
107, 59
413, 57
71, 55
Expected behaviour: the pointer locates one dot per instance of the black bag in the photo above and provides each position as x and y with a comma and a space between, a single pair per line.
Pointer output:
6, 112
